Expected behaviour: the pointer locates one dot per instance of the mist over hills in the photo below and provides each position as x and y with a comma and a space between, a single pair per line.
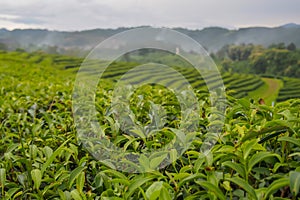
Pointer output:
212, 38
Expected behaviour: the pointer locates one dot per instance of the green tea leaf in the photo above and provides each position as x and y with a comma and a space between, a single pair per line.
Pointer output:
62, 195
155, 162
2, 177
74, 174
36, 177
75, 195
164, 194
173, 155
254, 134
145, 163
276, 185
80, 181
212, 188
153, 192
11, 192
53, 156
137, 182
236, 166
290, 140
243, 184
247, 147
295, 182
272, 135
256, 158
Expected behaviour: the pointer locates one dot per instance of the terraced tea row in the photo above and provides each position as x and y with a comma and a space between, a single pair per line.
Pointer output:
238, 85
291, 89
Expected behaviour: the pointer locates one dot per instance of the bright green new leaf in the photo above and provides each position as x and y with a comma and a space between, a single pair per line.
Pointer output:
11, 192
247, 147
2, 177
295, 182
36, 177
155, 162
164, 194
80, 181
75, 195
153, 192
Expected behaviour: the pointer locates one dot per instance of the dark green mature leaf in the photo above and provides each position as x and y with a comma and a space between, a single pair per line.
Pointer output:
272, 135
256, 158
74, 174
235, 166
276, 185
189, 177
290, 140
53, 156
254, 134
212, 188
138, 182
242, 183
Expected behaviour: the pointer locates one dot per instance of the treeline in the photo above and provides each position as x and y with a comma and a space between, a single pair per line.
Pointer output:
276, 60
48, 49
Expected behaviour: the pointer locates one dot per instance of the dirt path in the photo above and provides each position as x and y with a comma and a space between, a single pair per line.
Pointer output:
273, 87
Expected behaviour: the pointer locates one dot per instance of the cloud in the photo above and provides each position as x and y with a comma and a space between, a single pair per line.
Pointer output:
21, 20
78, 15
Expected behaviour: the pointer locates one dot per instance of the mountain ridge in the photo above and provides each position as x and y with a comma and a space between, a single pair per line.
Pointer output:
212, 38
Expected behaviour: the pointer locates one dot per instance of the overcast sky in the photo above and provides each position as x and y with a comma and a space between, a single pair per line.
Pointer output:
194, 14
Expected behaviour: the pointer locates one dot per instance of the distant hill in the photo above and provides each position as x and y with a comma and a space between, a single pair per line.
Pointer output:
290, 25
212, 38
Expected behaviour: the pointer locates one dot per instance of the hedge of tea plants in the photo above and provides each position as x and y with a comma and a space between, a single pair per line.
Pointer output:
256, 155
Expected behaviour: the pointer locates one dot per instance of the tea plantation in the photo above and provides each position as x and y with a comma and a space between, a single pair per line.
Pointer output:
256, 155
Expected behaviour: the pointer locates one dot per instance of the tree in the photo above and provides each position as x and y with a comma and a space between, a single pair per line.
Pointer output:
52, 49
280, 45
291, 47
3, 47
259, 64
20, 50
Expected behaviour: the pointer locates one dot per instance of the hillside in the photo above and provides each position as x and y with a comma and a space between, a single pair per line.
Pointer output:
212, 38
249, 86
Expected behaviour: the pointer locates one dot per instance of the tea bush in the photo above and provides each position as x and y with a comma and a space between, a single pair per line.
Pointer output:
256, 156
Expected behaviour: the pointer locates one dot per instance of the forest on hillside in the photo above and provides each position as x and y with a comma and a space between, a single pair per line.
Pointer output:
275, 61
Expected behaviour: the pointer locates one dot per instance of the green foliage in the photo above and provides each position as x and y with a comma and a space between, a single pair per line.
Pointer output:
277, 60
290, 89
256, 155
